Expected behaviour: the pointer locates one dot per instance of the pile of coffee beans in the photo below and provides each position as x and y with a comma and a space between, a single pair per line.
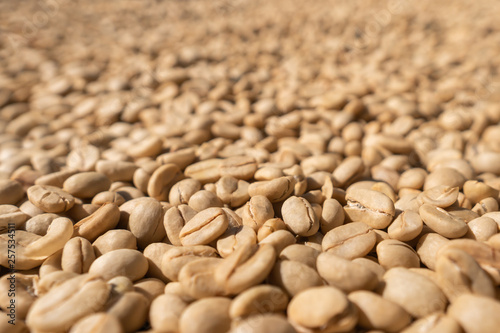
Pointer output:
249, 166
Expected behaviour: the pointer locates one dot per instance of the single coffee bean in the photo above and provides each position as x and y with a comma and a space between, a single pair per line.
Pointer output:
122, 262
371, 207
214, 310
11, 192
352, 240
407, 226
345, 274
442, 221
459, 273
258, 300
294, 276
434, 323
299, 216
476, 313
204, 227
393, 253
102, 220
197, 278
440, 196
239, 167
77, 255
418, 295
275, 190
98, 323
326, 307
377, 313
176, 257
84, 294
165, 312
86, 184
247, 266
113, 240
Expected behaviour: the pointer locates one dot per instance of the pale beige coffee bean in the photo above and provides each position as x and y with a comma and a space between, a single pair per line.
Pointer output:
345, 274
347, 171
11, 192
269, 227
257, 211
162, 180
440, 196
486, 162
116, 170
372, 264
258, 300
174, 220
83, 294
149, 147
50, 199
234, 238
444, 176
150, 287
378, 313
412, 178
52, 280
247, 266
371, 207
77, 255
146, 222
294, 276
481, 228
175, 288
299, 216
154, 254
183, 190
458, 273
207, 171
131, 310
427, 248
102, 220
476, 313
406, 226
86, 184
113, 240
56, 179
59, 232
182, 157
204, 227
352, 240
214, 310
301, 253
108, 197
165, 313
23, 288
280, 239
393, 253
267, 323
122, 262
442, 222
476, 191
10, 214
434, 323
332, 215
322, 307
275, 190
83, 158
485, 255
204, 199
485, 206
239, 167
98, 323
232, 191
177, 257
418, 295
197, 278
